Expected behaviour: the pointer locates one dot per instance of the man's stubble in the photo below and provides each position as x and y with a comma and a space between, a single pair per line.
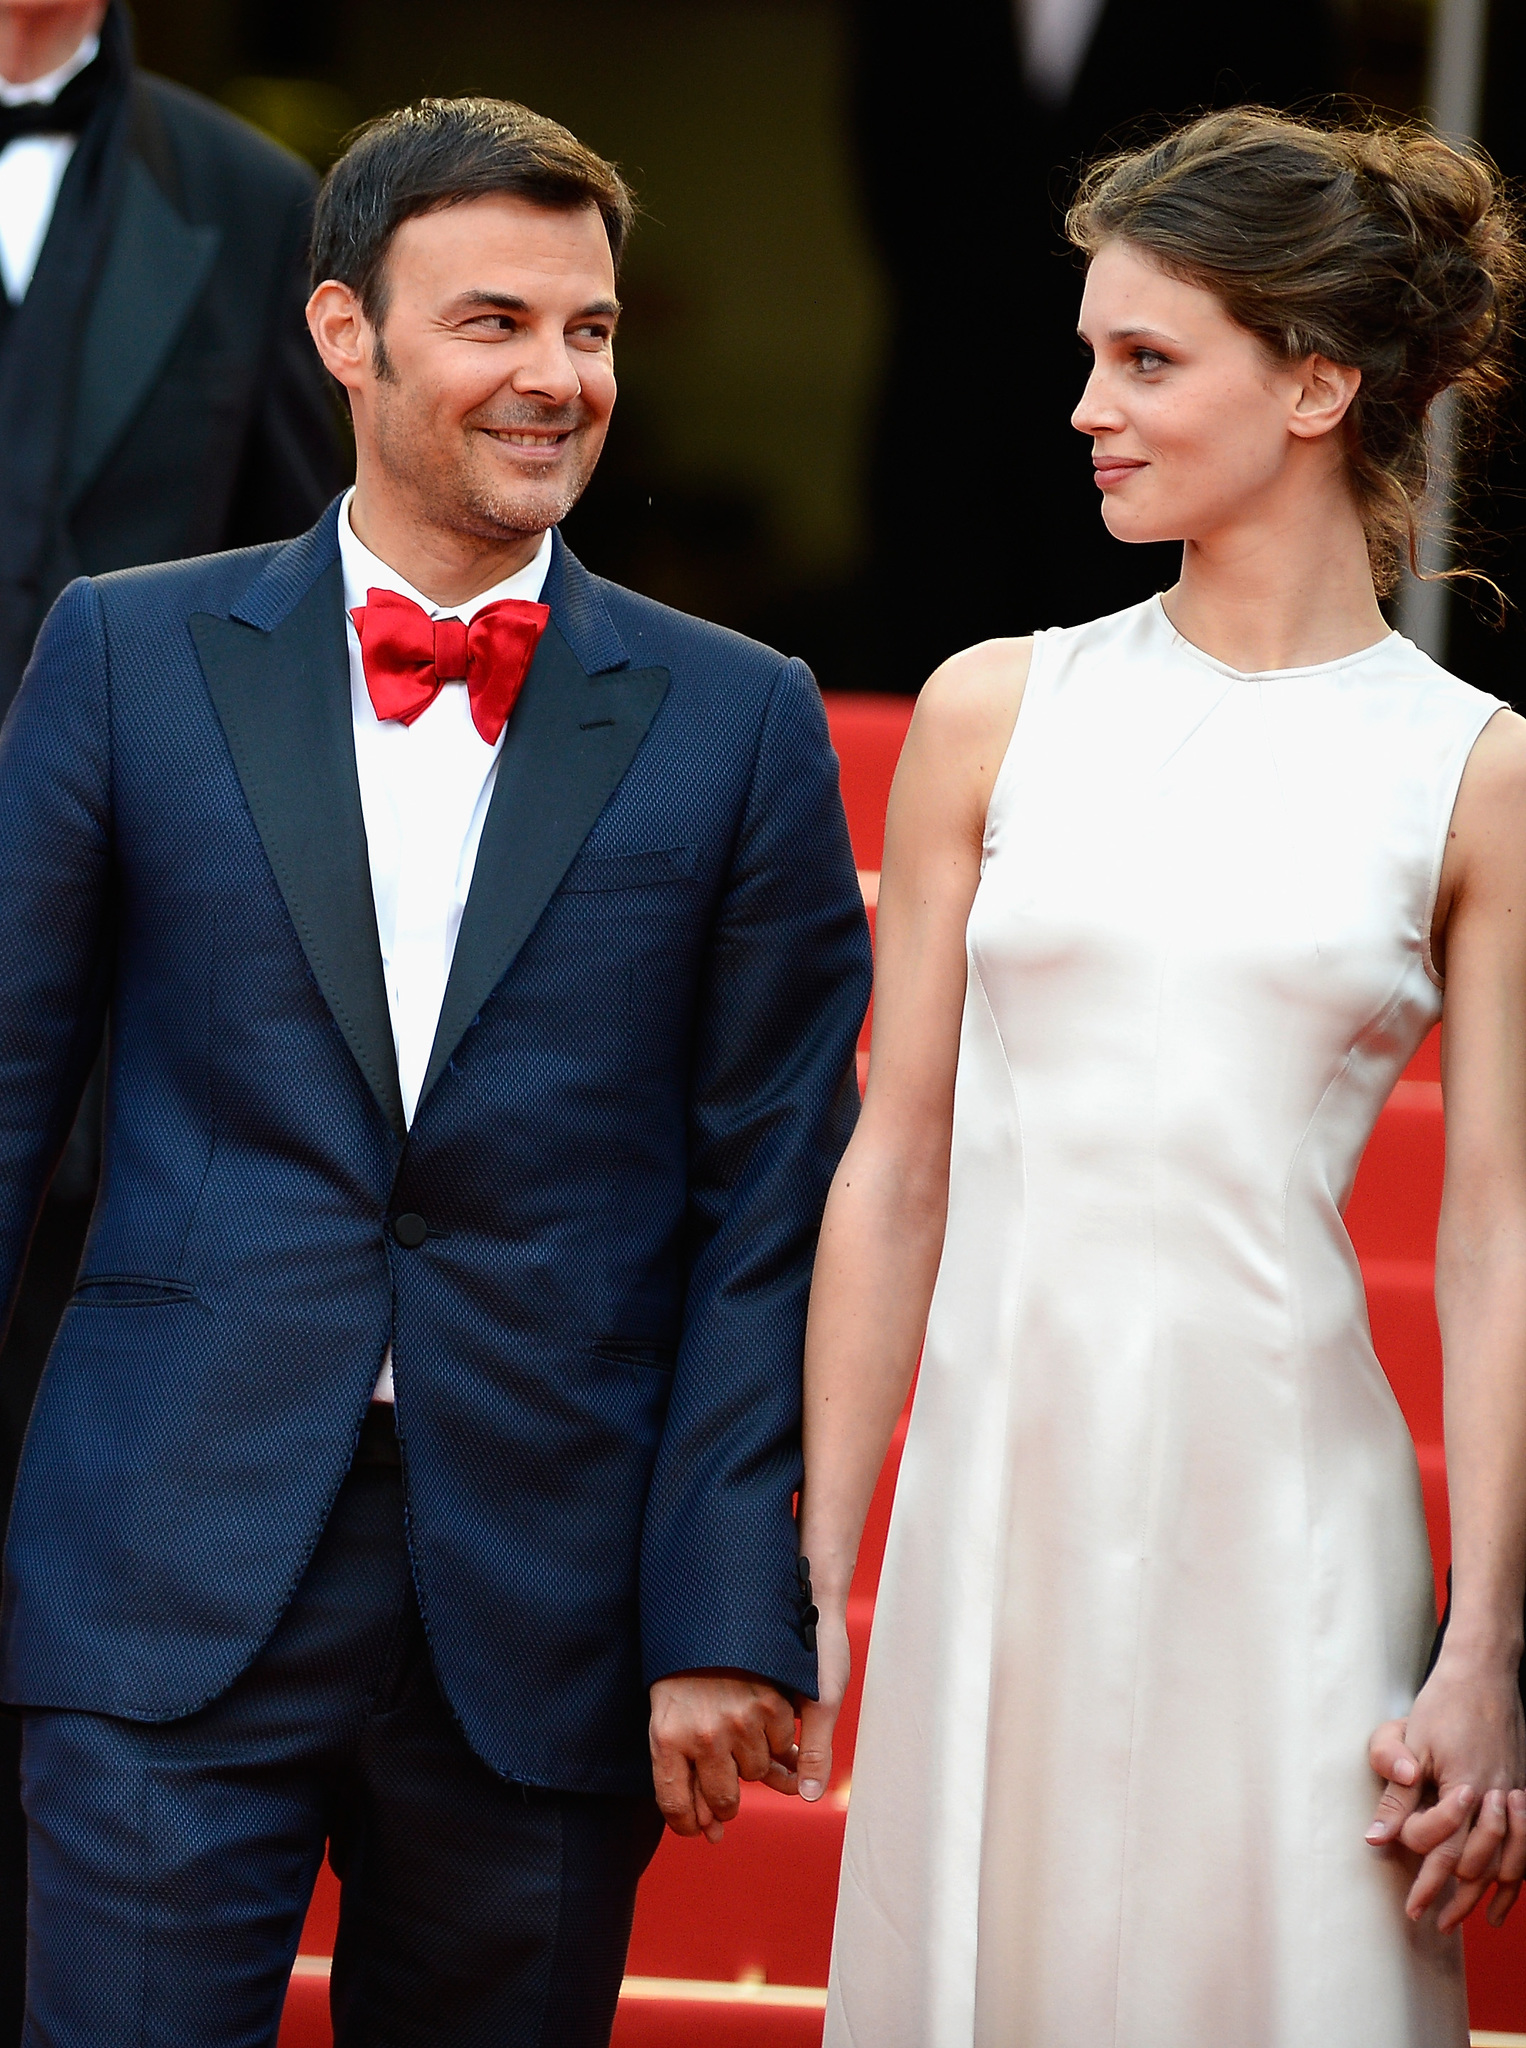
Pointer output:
450, 492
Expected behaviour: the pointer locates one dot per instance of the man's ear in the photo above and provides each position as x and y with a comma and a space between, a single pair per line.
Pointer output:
341, 334
1325, 392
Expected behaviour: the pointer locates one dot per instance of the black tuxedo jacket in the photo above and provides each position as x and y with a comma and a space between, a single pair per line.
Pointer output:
196, 413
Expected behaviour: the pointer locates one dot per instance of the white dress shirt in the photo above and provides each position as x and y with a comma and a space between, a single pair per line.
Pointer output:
31, 171
424, 794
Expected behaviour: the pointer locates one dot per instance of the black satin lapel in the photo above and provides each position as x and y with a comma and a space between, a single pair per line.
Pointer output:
156, 265
284, 700
570, 741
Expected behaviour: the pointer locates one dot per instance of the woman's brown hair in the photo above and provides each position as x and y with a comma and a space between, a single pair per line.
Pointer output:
1384, 249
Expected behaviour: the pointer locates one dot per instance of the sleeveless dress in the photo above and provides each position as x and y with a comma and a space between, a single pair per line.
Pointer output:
1158, 1563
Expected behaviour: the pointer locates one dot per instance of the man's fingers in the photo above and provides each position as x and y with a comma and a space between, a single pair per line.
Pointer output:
709, 1826
779, 1728
814, 1767
1433, 1825
781, 1778
719, 1783
673, 1782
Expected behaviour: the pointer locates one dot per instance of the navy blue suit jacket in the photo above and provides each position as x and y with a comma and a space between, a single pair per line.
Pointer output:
641, 1083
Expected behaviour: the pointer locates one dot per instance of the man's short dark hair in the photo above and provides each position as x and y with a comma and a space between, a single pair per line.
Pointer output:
440, 153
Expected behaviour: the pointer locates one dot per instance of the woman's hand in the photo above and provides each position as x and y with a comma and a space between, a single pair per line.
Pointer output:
1464, 1740
818, 1717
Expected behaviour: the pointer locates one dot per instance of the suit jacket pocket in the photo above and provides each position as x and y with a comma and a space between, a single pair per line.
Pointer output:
127, 1290
644, 870
655, 1357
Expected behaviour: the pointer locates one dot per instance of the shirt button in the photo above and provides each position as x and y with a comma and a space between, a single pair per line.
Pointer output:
409, 1230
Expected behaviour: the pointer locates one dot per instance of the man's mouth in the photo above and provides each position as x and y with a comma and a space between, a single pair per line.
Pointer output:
531, 437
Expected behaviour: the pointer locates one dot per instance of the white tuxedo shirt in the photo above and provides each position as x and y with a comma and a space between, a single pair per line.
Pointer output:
424, 794
31, 171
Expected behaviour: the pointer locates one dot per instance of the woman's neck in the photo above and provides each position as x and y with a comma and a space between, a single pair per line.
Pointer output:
1289, 588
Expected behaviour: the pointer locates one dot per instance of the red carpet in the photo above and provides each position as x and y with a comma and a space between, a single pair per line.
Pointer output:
734, 1928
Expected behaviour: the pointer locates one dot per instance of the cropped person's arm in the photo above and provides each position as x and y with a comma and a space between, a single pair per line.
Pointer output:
1465, 1736
882, 1235
55, 859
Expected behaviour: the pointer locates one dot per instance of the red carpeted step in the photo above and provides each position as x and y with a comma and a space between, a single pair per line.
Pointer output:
677, 2013
761, 1901
699, 2022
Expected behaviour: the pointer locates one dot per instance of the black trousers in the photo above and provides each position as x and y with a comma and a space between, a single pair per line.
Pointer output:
180, 1858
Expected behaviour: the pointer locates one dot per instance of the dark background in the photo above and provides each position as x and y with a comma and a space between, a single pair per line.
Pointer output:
847, 363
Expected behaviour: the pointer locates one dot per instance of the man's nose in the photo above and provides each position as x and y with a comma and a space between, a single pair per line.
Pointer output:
548, 372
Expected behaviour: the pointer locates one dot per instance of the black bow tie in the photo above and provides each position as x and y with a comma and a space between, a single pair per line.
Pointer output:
66, 115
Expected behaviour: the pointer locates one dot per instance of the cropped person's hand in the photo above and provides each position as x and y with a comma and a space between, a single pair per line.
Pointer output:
709, 1730
818, 1717
1453, 1796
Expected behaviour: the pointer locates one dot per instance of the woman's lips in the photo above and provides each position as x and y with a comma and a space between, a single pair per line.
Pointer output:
1111, 470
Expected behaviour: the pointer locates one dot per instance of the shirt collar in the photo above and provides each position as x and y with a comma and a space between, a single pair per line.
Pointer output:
42, 92
364, 571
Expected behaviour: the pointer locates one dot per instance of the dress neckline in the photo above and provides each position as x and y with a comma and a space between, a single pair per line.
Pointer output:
1265, 675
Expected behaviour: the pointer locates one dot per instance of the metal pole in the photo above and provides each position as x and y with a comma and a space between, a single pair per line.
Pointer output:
1454, 92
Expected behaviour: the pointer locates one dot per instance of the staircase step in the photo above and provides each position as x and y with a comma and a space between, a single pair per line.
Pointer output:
758, 1903
654, 2013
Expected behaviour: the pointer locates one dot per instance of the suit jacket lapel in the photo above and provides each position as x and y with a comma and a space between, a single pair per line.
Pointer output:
569, 742
282, 692
156, 265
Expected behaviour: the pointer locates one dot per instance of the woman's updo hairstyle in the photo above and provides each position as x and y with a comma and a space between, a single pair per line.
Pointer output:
1386, 250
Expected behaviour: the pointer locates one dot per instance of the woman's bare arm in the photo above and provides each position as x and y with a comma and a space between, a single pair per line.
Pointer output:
1465, 1734
882, 1234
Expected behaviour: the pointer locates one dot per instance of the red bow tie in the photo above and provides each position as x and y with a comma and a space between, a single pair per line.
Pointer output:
408, 656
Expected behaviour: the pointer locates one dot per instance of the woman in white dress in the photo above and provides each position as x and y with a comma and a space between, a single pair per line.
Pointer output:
1166, 907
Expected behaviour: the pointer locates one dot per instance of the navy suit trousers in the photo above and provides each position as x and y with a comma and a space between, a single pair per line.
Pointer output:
172, 1862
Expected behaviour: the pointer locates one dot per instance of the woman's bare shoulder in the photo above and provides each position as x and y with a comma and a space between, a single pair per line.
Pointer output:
968, 706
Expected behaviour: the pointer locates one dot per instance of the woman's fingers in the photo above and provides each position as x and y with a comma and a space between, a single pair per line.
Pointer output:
1512, 1861
1479, 1863
1440, 1865
1403, 1784
815, 1765
1433, 1825
1486, 1841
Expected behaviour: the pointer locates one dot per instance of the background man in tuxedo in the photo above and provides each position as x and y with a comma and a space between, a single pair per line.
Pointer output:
158, 397
485, 958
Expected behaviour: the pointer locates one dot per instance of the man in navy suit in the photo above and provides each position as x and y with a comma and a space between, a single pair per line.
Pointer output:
413, 1471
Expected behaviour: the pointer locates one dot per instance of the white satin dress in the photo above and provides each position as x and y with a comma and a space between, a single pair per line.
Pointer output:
1158, 1563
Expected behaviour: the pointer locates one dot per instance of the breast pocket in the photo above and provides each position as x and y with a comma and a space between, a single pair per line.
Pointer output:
634, 913
596, 873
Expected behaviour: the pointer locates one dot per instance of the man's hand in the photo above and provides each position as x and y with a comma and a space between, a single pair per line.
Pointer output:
1452, 1795
709, 1730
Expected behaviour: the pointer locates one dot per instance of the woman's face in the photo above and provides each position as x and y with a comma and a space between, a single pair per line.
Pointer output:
1193, 426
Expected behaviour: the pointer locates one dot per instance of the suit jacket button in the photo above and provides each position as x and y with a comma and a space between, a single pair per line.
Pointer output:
409, 1230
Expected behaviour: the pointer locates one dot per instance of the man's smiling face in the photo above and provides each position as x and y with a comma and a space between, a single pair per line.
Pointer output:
490, 379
